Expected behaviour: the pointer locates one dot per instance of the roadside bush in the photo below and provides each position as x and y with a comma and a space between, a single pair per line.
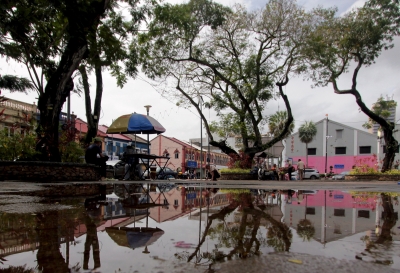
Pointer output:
239, 161
17, 146
72, 152
235, 171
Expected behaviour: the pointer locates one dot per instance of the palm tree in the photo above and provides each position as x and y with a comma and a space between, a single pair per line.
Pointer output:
307, 132
15, 84
276, 123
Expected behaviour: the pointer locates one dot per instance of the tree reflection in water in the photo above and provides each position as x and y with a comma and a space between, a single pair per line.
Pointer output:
49, 258
242, 237
377, 247
305, 229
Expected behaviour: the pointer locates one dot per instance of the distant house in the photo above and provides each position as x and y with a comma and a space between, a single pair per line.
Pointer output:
184, 155
116, 143
82, 129
336, 145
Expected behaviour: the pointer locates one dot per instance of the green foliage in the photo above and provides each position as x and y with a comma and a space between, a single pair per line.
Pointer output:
381, 108
72, 152
231, 57
365, 165
17, 146
307, 132
235, 170
276, 124
15, 84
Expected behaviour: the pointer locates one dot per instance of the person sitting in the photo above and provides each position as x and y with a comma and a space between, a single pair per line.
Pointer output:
93, 155
129, 161
214, 172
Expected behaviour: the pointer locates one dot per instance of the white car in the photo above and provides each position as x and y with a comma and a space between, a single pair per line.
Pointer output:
308, 174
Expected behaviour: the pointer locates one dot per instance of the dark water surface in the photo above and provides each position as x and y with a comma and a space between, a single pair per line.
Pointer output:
124, 230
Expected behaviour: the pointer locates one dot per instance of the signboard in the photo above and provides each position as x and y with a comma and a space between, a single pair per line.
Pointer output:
191, 164
339, 166
338, 196
191, 196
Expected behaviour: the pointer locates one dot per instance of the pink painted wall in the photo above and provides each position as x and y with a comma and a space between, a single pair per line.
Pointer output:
335, 199
318, 162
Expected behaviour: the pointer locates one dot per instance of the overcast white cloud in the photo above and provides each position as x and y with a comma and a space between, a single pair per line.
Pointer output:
307, 103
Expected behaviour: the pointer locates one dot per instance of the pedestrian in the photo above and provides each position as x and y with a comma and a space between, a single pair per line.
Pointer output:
300, 169
275, 172
290, 169
94, 155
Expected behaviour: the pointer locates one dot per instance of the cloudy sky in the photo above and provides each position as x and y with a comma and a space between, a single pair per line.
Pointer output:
307, 103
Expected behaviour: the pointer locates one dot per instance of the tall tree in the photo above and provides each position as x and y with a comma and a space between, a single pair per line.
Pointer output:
52, 37
36, 32
234, 59
307, 132
358, 38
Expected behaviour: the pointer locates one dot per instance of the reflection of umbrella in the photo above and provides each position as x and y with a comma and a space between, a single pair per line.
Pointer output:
134, 237
135, 124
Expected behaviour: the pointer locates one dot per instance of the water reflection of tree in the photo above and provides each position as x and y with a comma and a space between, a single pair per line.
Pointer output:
48, 256
378, 248
243, 238
305, 229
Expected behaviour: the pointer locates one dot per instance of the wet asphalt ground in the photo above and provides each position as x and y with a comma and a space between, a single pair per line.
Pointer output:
21, 187
19, 196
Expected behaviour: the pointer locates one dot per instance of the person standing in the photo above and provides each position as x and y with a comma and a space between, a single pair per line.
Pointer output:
93, 155
289, 169
300, 169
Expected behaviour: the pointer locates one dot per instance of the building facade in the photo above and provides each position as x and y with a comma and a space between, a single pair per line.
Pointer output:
336, 145
184, 156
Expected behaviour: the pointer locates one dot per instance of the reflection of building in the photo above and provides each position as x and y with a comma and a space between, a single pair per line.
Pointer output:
181, 201
342, 145
336, 214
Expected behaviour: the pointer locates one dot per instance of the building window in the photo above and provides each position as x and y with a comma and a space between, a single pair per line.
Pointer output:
363, 214
339, 133
339, 212
340, 150
176, 155
310, 211
365, 149
176, 202
165, 202
312, 151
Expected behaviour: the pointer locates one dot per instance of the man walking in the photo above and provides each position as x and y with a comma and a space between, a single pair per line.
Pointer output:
300, 169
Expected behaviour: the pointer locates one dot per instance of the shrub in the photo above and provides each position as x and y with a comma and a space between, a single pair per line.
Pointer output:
17, 146
235, 171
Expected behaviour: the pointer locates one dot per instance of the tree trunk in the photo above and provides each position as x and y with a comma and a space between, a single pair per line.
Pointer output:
387, 128
81, 19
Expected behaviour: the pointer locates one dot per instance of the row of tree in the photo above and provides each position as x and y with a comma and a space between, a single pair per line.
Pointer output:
200, 52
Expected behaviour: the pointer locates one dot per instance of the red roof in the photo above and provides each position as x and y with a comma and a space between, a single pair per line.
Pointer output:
82, 127
104, 128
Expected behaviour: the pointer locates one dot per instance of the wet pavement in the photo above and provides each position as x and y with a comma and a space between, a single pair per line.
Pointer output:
242, 226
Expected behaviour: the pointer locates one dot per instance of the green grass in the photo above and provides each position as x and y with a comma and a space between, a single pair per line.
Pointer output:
235, 171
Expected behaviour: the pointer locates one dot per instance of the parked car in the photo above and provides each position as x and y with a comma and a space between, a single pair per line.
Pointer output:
115, 169
166, 174
340, 176
309, 173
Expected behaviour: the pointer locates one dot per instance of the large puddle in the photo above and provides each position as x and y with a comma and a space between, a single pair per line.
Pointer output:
192, 229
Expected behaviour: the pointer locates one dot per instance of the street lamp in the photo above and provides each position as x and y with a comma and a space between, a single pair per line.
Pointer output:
380, 135
326, 146
148, 143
